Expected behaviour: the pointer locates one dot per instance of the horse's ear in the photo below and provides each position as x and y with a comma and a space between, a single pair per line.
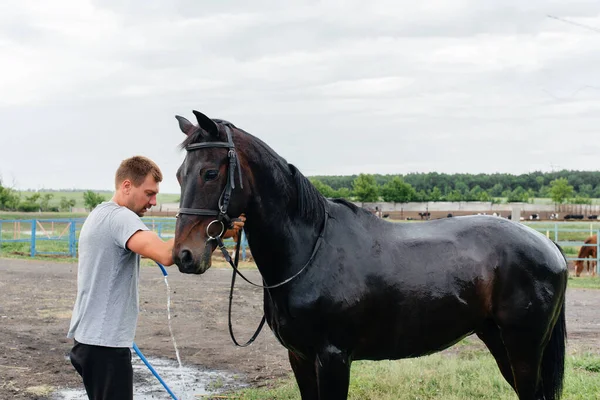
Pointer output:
206, 123
186, 126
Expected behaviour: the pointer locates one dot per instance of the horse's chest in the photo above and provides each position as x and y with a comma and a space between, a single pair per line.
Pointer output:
293, 327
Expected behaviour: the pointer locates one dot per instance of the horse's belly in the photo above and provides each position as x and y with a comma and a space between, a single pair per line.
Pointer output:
415, 329
397, 346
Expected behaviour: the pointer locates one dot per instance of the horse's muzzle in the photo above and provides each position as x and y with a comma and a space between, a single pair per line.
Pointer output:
190, 263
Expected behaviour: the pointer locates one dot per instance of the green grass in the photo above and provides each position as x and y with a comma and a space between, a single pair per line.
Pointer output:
470, 373
584, 282
7, 215
57, 195
23, 249
580, 230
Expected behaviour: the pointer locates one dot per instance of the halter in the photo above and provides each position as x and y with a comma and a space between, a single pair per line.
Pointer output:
222, 217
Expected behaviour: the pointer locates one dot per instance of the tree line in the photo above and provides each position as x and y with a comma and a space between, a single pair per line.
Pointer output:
11, 200
577, 187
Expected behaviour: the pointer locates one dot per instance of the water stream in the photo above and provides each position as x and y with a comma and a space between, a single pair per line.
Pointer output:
186, 382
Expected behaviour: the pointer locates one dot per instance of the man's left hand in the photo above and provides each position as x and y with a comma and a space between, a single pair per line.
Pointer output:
238, 224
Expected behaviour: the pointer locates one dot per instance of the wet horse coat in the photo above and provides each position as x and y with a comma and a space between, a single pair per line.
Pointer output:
375, 289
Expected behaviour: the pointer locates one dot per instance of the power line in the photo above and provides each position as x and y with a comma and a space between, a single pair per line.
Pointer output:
576, 91
591, 28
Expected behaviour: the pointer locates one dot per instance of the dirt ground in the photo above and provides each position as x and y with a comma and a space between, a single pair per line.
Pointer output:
36, 299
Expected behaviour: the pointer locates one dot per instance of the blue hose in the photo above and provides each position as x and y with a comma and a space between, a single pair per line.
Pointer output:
139, 353
162, 268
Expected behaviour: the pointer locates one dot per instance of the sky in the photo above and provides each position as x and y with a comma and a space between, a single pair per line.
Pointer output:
335, 87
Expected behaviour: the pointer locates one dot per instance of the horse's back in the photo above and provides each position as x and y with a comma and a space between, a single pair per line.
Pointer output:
463, 240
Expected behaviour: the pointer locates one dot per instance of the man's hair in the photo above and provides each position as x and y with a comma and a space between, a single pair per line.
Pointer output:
136, 169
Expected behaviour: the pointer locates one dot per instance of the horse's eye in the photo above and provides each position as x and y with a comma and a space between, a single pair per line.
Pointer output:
211, 175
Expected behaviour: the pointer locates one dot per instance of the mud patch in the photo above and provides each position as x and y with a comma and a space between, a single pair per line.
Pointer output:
186, 382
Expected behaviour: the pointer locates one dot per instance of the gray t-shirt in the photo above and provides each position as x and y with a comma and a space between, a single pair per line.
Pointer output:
107, 303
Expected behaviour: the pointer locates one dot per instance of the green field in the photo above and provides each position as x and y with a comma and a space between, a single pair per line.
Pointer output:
78, 196
466, 371
584, 282
9, 215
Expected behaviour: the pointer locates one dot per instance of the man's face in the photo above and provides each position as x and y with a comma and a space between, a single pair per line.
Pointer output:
143, 197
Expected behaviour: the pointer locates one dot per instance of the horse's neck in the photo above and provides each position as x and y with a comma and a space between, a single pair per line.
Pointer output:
281, 240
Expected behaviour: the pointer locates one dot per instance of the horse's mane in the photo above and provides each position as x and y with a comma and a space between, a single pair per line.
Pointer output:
193, 138
309, 200
355, 209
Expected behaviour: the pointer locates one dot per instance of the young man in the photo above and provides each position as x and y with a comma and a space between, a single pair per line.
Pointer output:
106, 308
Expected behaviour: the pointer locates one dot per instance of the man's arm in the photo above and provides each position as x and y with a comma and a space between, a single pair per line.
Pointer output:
148, 244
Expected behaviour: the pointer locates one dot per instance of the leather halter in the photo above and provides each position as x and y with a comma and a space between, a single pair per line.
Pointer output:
221, 214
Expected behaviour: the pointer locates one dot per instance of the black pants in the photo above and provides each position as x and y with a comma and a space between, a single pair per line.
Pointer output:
106, 371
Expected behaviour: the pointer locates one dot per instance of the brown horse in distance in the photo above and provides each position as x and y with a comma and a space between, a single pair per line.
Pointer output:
587, 252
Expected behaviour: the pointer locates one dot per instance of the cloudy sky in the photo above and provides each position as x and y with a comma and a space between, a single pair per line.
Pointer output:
336, 87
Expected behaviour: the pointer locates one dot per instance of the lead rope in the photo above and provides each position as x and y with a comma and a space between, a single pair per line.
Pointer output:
233, 273
234, 265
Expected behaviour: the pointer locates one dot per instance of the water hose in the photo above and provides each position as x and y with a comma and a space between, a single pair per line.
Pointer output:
139, 353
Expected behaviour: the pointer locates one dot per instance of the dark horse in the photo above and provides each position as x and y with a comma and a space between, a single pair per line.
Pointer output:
359, 287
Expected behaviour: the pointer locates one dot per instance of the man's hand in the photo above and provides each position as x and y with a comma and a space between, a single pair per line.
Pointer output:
238, 224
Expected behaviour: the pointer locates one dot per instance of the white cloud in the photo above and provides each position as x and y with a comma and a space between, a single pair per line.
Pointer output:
334, 86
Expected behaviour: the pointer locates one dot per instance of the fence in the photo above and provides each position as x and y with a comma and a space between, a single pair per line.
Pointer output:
567, 235
40, 237
59, 237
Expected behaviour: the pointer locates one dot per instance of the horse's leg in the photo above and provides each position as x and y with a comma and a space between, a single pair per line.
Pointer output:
587, 265
306, 376
333, 373
524, 347
524, 319
490, 335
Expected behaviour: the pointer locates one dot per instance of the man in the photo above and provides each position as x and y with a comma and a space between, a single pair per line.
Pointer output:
112, 239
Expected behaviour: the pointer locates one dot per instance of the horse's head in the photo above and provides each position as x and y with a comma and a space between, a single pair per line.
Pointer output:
213, 191
578, 267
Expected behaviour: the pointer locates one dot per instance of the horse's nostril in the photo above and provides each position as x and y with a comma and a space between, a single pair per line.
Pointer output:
185, 256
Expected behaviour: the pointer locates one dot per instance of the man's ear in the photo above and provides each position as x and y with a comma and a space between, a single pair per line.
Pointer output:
126, 186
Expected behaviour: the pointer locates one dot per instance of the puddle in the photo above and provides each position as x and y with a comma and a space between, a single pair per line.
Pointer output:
186, 382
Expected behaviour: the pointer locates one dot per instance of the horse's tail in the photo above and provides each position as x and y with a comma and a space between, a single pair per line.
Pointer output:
553, 359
